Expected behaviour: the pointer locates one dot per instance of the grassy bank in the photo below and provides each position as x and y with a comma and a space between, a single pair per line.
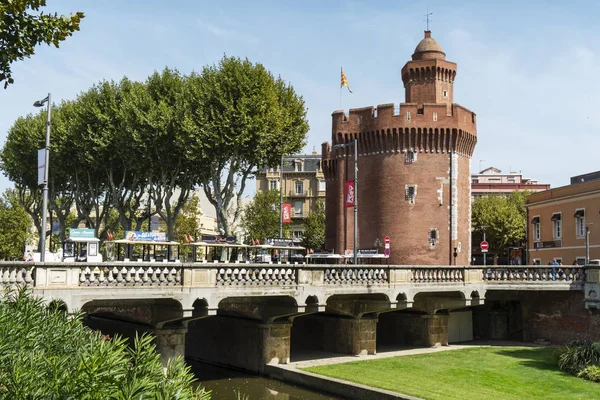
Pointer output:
477, 373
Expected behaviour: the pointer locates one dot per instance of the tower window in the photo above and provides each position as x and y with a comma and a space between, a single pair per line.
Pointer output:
435, 116
410, 192
433, 237
445, 93
411, 157
408, 115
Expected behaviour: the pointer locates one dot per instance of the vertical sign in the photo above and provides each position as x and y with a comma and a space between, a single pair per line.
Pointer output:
286, 211
41, 165
349, 193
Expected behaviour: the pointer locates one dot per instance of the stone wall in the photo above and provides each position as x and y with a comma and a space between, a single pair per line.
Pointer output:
237, 342
556, 316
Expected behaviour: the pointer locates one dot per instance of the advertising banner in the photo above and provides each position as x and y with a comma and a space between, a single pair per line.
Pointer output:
146, 236
286, 212
218, 239
349, 194
41, 165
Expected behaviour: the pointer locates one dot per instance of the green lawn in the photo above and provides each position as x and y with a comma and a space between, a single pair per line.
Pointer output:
498, 373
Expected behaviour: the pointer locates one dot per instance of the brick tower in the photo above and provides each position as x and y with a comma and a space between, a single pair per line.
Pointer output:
413, 168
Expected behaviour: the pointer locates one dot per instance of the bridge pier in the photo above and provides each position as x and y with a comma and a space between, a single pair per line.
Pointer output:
170, 342
434, 330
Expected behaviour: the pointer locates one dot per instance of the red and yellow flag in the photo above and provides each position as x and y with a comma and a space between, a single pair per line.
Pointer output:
344, 81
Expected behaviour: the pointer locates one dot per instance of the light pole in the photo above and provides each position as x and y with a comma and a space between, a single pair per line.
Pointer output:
484, 253
342, 145
281, 198
40, 103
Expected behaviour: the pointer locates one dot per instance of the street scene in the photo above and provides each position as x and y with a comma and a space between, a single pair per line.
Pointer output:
298, 201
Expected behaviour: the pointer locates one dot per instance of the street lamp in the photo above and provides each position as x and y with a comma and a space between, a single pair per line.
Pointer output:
342, 145
40, 103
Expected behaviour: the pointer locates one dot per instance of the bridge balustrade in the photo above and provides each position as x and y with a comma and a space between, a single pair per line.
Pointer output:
240, 275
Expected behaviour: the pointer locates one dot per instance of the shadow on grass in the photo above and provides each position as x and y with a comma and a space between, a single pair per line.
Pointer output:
542, 358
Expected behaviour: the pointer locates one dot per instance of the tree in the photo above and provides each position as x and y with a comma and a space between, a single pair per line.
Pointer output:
245, 119
504, 219
314, 227
187, 222
261, 217
59, 358
22, 27
15, 226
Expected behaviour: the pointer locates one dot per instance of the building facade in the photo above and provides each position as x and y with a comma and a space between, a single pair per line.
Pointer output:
491, 181
413, 168
302, 182
561, 221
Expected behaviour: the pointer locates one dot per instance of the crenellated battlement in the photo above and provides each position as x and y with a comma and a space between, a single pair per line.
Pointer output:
386, 116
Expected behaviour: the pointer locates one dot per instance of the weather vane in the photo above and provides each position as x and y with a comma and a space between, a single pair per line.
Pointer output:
427, 17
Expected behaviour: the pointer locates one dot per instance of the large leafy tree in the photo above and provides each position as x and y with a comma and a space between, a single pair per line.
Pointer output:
313, 236
246, 119
15, 226
23, 26
504, 221
47, 354
260, 218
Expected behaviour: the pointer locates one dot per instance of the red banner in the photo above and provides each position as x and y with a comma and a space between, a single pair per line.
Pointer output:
349, 194
286, 212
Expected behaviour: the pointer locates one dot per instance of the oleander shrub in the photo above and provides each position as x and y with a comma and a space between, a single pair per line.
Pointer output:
578, 355
47, 354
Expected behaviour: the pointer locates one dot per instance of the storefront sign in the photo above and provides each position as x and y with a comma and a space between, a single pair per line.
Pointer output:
146, 236
218, 239
279, 242
547, 245
81, 233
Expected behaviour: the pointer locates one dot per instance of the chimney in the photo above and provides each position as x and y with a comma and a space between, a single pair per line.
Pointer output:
427, 34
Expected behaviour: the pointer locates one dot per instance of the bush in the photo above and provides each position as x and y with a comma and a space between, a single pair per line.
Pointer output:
577, 355
46, 354
591, 373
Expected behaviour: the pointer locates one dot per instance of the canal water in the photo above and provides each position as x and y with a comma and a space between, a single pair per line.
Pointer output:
224, 384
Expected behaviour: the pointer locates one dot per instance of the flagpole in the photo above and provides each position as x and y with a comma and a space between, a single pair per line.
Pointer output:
341, 87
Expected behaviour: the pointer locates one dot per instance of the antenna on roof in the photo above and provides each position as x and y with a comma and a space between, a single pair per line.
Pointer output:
427, 17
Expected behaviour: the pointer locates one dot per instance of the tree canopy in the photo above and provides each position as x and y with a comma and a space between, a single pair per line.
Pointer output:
15, 225
47, 354
313, 236
23, 26
504, 221
249, 119
260, 218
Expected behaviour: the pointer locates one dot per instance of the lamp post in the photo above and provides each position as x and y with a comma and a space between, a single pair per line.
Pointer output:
281, 198
483, 227
40, 103
587, 245
342, 145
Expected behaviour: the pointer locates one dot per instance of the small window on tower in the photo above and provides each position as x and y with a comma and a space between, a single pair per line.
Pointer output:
408, 115
410, 192
411, 157
435, 116
433, 237
445, 93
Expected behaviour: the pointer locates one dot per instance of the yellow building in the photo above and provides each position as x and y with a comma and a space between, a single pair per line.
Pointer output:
303, 185
561, 221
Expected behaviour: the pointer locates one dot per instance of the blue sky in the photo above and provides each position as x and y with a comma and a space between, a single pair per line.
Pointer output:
528, 69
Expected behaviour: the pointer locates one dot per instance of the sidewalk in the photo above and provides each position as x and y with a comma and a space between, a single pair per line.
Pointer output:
318, 358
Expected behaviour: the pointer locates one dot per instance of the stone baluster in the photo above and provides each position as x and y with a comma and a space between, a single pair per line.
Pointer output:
176, 275
137, 280
162, 275
111, 276
28, 277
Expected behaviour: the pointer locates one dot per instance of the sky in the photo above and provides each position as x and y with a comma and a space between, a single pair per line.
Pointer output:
529, 70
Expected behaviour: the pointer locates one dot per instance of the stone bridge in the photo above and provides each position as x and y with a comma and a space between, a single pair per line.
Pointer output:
249, 315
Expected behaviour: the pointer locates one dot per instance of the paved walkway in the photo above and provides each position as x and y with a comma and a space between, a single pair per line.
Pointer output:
317, 358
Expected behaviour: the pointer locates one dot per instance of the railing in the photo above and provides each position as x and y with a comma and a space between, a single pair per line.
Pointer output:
151, 274
16, 275
528, 273
437, 275
143, 275
256, 276
356, 275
